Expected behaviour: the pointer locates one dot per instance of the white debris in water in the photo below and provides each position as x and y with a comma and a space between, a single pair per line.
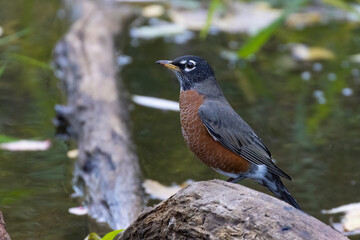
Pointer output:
306, 76
26, 145
347, 92
1, 31
303, 52
317, 67
332, 76
79, 211
320, 97
156, 31
74, 153
154, 10
158, 103
350, 221
123, 60
247, 18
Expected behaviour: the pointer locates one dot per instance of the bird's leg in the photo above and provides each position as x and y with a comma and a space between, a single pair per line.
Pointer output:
235, 180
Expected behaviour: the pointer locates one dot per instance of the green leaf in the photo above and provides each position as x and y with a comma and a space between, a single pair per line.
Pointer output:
29, 60
253, 44
111, 235
2, 69
4, 139
93, 236
14, 36
212, 8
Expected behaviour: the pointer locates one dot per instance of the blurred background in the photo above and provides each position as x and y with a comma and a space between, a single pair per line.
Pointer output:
289, 68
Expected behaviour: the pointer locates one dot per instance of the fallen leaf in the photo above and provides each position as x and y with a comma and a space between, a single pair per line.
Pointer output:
305, 53
73, 153
350, 222
238, 18
305, 19
154, 10
157, 190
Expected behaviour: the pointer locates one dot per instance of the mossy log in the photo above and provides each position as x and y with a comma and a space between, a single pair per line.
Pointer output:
107, 170
221, 210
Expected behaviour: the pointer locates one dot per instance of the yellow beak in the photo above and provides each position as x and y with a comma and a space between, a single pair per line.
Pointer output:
168, 64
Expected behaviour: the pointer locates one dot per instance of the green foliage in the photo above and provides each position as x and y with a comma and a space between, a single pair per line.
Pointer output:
214, 4
112, 235
2, 69
14, 36
30, 61
4, 138
93, 236
254, 44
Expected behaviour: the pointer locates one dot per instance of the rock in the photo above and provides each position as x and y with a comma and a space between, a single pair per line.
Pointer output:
221, 210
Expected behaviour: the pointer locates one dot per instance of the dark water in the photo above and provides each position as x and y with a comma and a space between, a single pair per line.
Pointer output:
317, 144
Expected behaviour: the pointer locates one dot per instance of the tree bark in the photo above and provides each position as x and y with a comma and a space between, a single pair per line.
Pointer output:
107, 171
3, 233
221, 210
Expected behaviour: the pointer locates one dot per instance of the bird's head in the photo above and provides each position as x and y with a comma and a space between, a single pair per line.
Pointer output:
190, 70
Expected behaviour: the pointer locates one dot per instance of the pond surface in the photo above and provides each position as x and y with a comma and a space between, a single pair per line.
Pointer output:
302, 110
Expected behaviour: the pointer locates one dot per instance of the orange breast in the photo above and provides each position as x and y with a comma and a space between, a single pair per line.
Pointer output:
201, 142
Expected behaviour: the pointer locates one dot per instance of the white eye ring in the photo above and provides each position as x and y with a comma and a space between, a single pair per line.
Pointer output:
190, 65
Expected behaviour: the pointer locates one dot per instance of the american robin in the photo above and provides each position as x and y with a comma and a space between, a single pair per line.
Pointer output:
216, 134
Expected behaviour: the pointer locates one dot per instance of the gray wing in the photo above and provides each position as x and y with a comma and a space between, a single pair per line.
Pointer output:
232, 132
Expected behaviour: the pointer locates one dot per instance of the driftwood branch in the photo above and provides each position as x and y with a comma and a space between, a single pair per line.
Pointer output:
3, 233
221, 210
107, 166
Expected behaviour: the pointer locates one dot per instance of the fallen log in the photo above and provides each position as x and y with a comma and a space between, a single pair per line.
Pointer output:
221, 210
3, 233
107, 170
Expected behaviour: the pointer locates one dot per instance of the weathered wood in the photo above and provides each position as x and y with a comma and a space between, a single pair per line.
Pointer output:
3, 233
221, 210
107, 165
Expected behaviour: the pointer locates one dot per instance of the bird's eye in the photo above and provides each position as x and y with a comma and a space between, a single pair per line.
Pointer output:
190, 65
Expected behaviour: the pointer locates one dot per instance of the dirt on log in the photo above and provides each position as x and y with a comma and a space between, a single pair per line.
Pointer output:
107, 170
3, 233
221, 210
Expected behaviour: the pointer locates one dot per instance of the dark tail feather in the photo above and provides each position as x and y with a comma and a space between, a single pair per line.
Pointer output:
274, 184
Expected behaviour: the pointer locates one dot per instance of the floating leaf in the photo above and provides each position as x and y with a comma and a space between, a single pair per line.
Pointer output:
112, 235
